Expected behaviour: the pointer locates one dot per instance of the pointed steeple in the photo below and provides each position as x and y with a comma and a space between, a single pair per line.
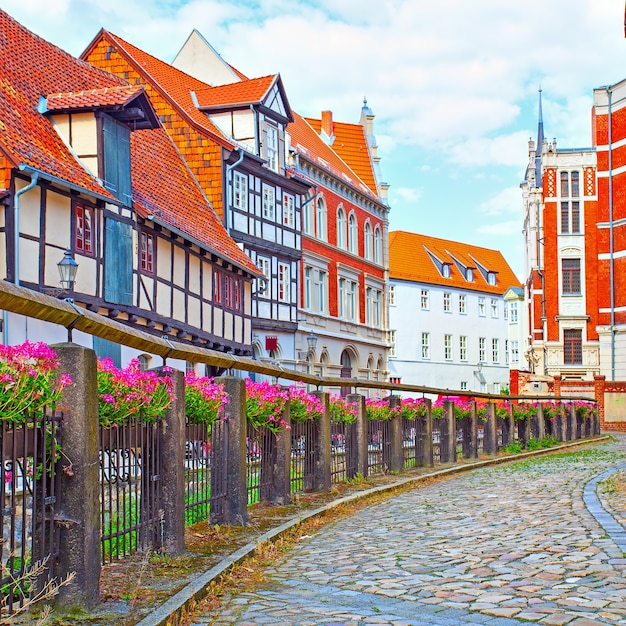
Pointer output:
539, 145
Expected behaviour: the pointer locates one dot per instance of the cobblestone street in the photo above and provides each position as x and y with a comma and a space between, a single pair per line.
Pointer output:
503, 545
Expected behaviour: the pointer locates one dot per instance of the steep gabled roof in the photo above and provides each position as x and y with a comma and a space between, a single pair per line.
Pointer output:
93, 98
30, 68
411, 258
165, 188
177, 87
241, 94
306, 140
350, 144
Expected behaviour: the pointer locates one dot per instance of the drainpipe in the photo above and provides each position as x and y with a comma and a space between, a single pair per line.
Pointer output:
16, 247
229, 170
609, 93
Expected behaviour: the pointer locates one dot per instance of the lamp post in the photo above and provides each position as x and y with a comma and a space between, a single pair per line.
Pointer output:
67, 270
311, 342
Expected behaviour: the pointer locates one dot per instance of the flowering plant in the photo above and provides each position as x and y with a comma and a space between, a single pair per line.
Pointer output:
379, 409
585, 409
204, 399
29, 380
304, 406
524, 410
129, 392
503, 409
552, 409
412, 408
265, 404
342, 411
462, 406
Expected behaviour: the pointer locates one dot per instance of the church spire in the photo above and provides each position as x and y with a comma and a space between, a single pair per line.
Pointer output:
539, 145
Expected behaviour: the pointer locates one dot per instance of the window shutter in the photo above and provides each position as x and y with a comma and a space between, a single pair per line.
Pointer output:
118, 262
106, 349
110, 165
281, 152
125, 185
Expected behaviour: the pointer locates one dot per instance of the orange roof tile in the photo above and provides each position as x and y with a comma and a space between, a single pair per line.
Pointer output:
179, 204
350, 144
174, 85
409, 259
31, 67
305, 139
242, 93
91, 98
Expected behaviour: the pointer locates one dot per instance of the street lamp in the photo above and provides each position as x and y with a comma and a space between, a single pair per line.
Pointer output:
67, 269
311, 342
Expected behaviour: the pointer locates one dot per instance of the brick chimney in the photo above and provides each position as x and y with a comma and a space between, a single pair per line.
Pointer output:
327, 123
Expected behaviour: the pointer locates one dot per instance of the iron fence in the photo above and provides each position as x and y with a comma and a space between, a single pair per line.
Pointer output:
302, 471
260, 457
343, 460
30, 492
130, 488
378, 446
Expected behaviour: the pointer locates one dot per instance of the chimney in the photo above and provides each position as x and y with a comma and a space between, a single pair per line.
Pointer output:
327, 123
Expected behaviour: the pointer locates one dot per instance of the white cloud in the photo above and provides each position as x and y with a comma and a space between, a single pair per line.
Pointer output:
506, 202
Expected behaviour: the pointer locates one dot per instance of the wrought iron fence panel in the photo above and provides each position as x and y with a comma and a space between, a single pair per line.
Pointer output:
260, 456
410, 434
302, 475
436, 441
197, 473
219, 445
378, 446
130, 488
343, 451
31, 500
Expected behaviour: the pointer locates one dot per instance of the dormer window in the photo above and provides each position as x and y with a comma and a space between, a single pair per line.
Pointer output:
445, 270
491, 278
469, 274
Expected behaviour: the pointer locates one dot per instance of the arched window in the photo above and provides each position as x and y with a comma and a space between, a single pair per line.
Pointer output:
307, 216
341, 228
353, 234
378, 246
367, 241
321, 219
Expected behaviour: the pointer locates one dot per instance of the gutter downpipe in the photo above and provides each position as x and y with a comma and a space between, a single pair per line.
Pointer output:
611, 242
229, 169
16, 247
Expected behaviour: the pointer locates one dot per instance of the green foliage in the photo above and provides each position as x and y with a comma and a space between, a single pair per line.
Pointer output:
513, 448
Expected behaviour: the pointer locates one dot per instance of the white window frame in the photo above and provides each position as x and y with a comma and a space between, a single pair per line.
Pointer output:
514, 312
353, 234
378, 246
240, 191
463, 347
482, 307
271, 149
424, 300
447, 302
425, 346
392, 295
462, 304
265, 265
392, 343
482, 349
269, 202
494, 308
368, 241
341, 228
447, 347
308, 287
284, 282
495, 350
320, 217
289, 210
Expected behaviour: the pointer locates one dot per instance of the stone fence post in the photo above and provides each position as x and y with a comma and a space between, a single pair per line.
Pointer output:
447, 450
79, 528
396, 458
424, 453
280, 466
540, 421
322, 450
361, 434
470, 434
490, 436
229, 454
172, 467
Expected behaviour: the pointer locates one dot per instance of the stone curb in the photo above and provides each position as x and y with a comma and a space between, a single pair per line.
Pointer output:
170, 611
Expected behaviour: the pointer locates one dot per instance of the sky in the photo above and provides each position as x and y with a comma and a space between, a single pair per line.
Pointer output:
454, 84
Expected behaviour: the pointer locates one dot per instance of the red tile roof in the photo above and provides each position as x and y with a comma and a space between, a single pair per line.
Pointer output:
180, 203
242, 93
92, 98
350, 144
409, 259
173, 84
29, 68
305, 139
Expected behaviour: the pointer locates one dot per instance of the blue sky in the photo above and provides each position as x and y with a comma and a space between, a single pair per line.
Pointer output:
453, 83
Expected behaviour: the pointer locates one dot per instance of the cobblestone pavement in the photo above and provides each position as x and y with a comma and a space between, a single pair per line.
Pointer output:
498, 546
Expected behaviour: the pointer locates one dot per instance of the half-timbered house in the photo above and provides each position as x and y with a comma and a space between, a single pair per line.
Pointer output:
87, 171
233, 139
